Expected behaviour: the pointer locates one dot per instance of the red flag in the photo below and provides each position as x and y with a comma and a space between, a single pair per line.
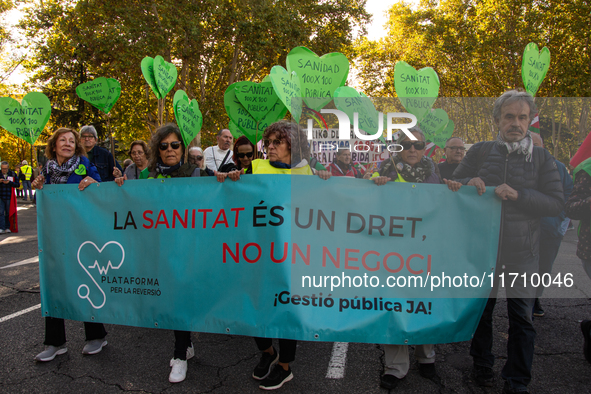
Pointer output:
12, 213
583, 153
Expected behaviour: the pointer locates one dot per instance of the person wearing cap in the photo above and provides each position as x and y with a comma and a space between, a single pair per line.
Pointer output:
27, 172
106, 165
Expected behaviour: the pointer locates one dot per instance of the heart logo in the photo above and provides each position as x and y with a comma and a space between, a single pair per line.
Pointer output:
27, 119
115, 253
434, 123
287, 87
534, 67
147, 66
101, 92
248, 125
256, 98
350, 101
319, 76
165, 75
417, 90
80, 170
188, 116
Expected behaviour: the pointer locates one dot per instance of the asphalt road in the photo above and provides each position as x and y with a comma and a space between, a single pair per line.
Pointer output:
136, 359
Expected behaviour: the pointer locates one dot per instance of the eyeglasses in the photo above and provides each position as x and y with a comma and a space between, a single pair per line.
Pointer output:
196, 157
419, 145
267, 143
248, 154
174, 145
460, 148
87, 137
137, 153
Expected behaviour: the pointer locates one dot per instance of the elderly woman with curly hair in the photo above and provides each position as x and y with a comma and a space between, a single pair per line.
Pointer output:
68, 164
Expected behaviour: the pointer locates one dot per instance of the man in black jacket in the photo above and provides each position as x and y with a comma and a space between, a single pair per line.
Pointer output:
527, 180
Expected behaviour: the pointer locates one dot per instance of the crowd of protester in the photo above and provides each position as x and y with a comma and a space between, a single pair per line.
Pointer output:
536, 192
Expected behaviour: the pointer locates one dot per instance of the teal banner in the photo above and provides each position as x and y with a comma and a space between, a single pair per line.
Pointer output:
271, 255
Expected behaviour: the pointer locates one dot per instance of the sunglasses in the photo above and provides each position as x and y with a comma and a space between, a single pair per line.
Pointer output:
419, 145
197, 157
174, 145
242, 155
266, 143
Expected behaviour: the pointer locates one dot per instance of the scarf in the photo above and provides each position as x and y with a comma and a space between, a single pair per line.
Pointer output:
60, 174
278, 164
417, 174
165, 170
524, 147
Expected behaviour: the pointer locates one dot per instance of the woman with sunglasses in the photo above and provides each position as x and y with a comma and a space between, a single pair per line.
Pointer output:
244, 154
410, 165
139, 168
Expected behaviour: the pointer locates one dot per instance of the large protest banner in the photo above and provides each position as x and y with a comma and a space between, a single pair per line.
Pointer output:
262, 256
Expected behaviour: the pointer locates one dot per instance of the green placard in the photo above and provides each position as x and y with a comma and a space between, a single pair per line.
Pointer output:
433, 124
256, 98
165, 75
113, 95
534, 67
417, 90
148, 72
236, 133
287, 87
27, 119
350, 101
96, 92
319, 76
188, 116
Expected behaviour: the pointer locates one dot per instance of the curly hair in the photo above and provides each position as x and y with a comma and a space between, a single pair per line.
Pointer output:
295, 137
161, 133
143, 145
243, 140
52, 142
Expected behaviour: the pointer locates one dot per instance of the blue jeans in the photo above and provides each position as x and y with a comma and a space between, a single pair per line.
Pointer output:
27, 190
520, 345
4, 211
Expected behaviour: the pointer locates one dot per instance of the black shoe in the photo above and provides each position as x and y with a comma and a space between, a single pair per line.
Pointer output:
263, 369
586, 328
508, 390
484, 376
276, 378
428, 372
389, 381
538, 311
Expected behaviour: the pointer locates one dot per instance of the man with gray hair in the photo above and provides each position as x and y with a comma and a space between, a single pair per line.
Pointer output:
100, 157
527, 181
217, 156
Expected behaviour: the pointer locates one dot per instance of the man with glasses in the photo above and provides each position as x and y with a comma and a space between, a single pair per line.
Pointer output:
106, 165
454, 153
217, 156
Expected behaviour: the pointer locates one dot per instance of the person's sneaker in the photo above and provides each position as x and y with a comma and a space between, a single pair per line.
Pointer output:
538, 311
276, 378
179, 370
7, 231
508, 390
263, 369
484, 376
389, 381
190, 352
50, 352
1, 231
94, 346
586, 328
428, 371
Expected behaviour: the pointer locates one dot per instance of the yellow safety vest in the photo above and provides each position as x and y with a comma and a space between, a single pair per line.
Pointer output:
28, 171
260, 166
398, 179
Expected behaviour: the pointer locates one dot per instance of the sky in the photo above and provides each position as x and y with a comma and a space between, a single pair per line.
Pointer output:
375, 29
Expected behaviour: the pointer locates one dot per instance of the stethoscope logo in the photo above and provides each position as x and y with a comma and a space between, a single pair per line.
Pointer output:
83, 289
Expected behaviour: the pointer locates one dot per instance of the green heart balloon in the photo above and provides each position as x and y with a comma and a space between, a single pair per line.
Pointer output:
417, 90
114, 93
236, 133
252, 129
148, 72
434, 123
257, 98
441, 138
188, 116
349, 101
534, 67
165, 75
319, 76
27, 119
96, 92
287, 87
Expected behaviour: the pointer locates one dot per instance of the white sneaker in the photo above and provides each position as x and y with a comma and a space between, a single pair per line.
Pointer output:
179, 370
7, 231
190, 352
50, 352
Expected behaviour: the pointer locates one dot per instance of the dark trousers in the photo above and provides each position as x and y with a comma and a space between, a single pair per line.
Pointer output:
55, 331
549, 247
287, 348
182, 341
